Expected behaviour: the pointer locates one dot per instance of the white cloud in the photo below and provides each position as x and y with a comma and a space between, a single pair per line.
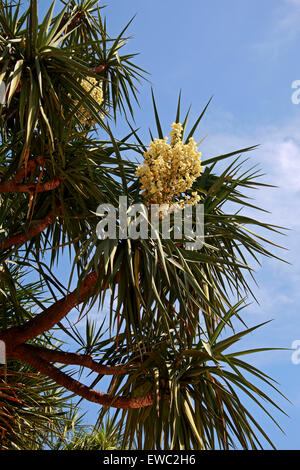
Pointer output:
278, 294
278, 156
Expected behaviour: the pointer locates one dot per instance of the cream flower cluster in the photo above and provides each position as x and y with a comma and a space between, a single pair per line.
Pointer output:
170, 170
94, 88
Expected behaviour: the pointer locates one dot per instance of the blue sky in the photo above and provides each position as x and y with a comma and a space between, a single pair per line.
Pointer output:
244, 53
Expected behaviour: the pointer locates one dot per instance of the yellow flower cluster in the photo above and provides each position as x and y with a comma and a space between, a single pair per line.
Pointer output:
94, 88
170, 170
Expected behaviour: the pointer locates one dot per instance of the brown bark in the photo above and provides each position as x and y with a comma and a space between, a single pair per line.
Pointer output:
49, 317
15, 186
31, 165
99, 69
76, 359
23, 237
12, 186
41, 358
78, 388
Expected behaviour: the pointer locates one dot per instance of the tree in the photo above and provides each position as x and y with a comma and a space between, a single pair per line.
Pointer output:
106, 436
34, 410
171, 309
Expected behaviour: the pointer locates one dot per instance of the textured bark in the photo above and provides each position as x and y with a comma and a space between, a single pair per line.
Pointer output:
41, 358
31, 165
99, 69
15, 186
80, 389
12, 186
50, 316
23, 237
76, 359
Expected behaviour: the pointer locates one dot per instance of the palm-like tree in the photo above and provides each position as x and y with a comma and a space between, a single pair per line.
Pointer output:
34, 410
172, 312
106, 436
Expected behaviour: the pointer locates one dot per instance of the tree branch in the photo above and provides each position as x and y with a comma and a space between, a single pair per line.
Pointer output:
23, 237
80, 389
50, 316
76, 359
31, 165
99, 69
12, 186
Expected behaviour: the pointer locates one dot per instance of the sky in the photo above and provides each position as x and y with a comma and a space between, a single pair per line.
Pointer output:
245, 54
